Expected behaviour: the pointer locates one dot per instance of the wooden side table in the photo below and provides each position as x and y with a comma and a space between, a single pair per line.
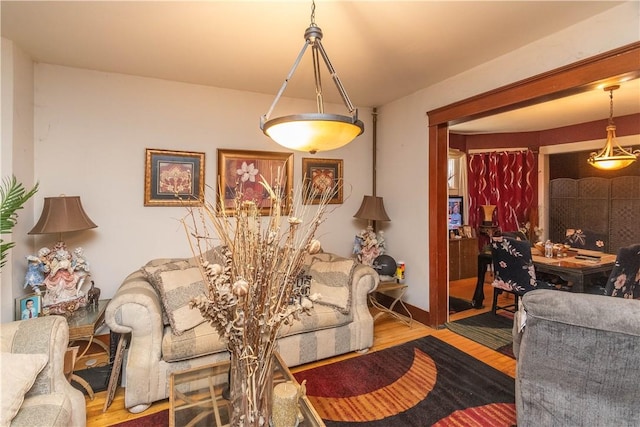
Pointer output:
83, 324
399, 290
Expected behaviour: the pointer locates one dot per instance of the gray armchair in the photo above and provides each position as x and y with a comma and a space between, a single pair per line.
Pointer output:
51, 400
577, 360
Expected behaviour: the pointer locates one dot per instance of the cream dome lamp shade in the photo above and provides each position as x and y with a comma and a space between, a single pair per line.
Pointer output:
319, 131
612, 156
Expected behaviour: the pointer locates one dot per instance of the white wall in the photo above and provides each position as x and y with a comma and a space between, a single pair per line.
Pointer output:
403, 137
91, 131
16, 159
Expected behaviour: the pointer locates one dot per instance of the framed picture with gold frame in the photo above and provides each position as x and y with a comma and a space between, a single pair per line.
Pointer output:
243, 170
323, 174
173, 178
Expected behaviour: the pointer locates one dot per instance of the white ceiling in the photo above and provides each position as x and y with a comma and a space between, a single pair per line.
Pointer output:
382, 50
570, 110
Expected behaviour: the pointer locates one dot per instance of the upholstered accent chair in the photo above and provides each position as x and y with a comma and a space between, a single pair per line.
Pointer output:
577, 360
34, 388
513, 271
624, 280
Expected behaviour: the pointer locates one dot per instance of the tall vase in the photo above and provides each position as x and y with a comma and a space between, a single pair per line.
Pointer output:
488, 214
251, 390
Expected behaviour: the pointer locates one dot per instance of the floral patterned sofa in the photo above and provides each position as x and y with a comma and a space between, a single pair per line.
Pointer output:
152, 305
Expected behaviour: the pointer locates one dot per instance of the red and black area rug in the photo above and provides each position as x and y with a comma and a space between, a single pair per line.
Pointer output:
425, 382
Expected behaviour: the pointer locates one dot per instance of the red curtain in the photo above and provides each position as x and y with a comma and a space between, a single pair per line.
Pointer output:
507, 180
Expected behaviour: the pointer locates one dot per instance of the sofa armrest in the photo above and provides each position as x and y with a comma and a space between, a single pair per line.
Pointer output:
576, 360
45, 335
608, 314
364, 280
136, 309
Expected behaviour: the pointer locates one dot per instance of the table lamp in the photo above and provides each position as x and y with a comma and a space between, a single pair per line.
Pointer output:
63, 272
61, 215
372, 209
368, 245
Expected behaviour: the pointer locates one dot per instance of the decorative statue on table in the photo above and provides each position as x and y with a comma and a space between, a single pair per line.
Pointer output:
62, 274
368, 246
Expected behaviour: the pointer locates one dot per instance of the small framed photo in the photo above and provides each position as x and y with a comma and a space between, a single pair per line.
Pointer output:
243, 170
28, 307
467, 231
323, 174
173, 178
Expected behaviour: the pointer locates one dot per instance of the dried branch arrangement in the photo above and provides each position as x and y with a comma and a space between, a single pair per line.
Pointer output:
253, 291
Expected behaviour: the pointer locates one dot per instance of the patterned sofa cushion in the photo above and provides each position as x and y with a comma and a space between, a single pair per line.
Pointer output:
332, 280
189, 335
50, 410
177, 284
204, 339
19, 372
198, 341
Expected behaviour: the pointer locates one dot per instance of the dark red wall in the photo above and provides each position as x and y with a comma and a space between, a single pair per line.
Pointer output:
625, 125
565, 165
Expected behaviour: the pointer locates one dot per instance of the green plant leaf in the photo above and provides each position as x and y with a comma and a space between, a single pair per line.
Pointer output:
13, 196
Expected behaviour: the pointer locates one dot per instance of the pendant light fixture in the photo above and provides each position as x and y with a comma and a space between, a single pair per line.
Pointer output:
612, 156
319, 131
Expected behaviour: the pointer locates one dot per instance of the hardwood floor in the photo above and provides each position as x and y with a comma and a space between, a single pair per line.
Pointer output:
388, 332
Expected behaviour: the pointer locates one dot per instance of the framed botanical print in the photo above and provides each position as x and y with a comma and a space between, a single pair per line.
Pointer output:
173, 178
243, 170
323, 174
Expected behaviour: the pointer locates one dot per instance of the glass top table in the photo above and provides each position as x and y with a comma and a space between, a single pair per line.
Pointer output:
195, 398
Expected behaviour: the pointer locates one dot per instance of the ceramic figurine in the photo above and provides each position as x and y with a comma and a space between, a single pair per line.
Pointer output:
93, 295
35, 273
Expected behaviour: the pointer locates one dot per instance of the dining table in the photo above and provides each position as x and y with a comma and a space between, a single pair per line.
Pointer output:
577, 267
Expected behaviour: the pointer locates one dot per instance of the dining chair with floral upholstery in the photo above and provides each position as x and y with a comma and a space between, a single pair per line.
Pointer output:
513, 271
624, 280
585, 239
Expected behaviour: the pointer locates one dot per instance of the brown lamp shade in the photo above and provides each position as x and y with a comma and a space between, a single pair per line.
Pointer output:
62, 214
372, 209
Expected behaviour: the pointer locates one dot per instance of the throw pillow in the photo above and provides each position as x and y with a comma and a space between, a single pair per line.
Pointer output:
177, 287
332, 280
19, 372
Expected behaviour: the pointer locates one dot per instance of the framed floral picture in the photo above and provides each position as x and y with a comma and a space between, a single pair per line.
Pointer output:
28, 306
323, 174
173, 178
242, 170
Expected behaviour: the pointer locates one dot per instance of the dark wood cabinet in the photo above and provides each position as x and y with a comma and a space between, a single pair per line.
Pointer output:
463, 258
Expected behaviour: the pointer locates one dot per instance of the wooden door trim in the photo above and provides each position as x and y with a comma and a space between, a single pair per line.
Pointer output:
580, 76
